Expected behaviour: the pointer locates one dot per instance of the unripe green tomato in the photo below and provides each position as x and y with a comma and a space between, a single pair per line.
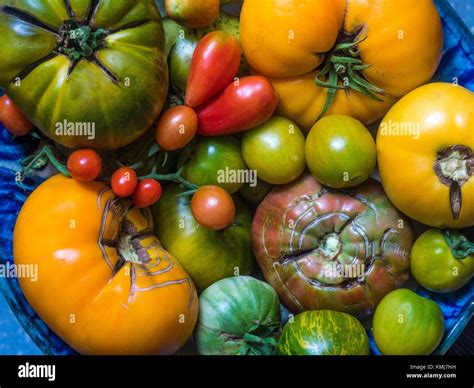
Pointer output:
275, 149
340, 151
407, 324
434, 266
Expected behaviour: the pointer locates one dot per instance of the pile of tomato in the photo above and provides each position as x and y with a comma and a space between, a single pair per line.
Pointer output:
268, 127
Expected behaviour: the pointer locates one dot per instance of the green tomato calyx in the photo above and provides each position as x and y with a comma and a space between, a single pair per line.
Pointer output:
343, 69
260, 339
460, 246
79, 42
454, 166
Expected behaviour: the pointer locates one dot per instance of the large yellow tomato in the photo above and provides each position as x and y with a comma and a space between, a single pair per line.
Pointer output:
105, 284
425, 153
352, 57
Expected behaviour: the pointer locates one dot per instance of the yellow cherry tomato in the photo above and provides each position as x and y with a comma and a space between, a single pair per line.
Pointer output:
352, 58
105, 284
425, 153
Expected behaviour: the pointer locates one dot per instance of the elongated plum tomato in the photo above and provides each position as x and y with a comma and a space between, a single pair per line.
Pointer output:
176, 128
12, 118
124, 181
84, 165
213, 207
215, 63
243, 105
340, 151
147, 193
105, 284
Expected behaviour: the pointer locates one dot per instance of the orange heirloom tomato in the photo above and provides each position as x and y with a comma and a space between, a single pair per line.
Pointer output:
105, 284
353, 58
425, 150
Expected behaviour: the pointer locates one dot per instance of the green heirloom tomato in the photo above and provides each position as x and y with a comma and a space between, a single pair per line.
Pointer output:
217, 161
180, 62
340, 151
206, 255
276, 150
324, 333
239, 315
442, 260
407, 324
87, 77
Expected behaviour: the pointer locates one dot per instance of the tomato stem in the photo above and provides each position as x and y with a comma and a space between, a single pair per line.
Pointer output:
343, 70
461, 247
175, 177
39, 161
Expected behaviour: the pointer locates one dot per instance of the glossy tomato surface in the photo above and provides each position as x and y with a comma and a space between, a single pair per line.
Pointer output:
105, 284
87, 77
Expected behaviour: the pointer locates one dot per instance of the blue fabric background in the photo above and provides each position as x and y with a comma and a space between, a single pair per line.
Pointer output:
15, 341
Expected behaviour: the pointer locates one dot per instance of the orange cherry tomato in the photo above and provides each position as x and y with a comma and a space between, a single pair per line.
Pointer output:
176, 128
124, 181
213, 207
12, 118
84, 165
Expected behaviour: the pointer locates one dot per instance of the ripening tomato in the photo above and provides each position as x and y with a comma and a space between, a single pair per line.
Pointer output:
176, 128
147, 193
192, 13
12, 118
213, 207
84, 165
124, 181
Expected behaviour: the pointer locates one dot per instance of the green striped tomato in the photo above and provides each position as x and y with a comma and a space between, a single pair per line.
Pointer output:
238, 316
325, 333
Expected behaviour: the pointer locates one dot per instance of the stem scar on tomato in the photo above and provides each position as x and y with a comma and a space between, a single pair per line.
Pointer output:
454, 166
138, 249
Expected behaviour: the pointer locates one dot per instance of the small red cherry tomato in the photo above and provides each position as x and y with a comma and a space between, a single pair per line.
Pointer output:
84, 165
124, 181
147, 193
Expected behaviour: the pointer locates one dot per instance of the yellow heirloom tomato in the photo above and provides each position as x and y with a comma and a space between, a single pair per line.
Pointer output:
353, 58
425, 153
105, 284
